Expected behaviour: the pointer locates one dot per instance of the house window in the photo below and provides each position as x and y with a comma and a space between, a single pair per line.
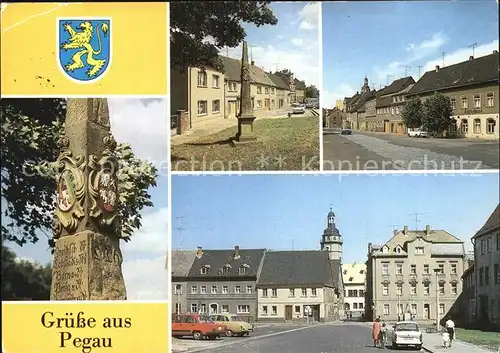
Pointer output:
313, 292
361, 293
274, 292
453, 103
441, 288
464, 126
264, 310
291, 292
386, 309
399, 269
225, 308
266, 90
297, 309
496, 274
259, 103
215, 81
194, 290
488, 244
225, 289
202, 108
397, 110
490, 101
243, 309
213, 290
203, 289
399, 289
483, 250
203, 308
354, 305
427, 290
216, 106
385, 289
202, 79
249, 290
481, 276
465, 104
360, 306
304, 292
392, 110
385, 269
237, 289
490, 126
453, 269
413, 269
486, 275
259, 90
413, 289
414, 309
419, 250
264, 292
274, 310
400, 309
194, 308
477, 100
178, 308
441, 309
477, 126
441, 268
203, 270
454, 289
242, 270
178, 289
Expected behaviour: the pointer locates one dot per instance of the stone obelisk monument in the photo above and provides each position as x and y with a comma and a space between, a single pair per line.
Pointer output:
86, 227
246, 116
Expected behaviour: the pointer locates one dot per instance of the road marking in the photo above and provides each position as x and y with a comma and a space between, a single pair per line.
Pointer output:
251, 339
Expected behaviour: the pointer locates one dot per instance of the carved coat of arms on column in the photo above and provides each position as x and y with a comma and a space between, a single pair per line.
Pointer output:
70, 190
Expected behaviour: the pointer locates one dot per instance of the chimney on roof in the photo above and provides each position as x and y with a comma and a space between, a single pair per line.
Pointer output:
437, 68
471, 58
252, 63
405, 231
427, 229
395, 231
495, 51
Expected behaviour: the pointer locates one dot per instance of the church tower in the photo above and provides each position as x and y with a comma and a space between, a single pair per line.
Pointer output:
331, 240
366, 87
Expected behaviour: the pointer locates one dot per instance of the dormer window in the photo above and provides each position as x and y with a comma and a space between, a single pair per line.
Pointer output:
242, 270
398, 249
204, 269
351, 279
385, 249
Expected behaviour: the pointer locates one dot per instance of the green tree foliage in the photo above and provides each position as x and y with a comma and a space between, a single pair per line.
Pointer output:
412, 113
24, 280
191, 23
437, 114
311, 92
30, 130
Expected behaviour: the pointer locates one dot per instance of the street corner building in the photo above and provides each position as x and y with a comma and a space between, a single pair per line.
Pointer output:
471, 85
206, 94
354, 278
407, 274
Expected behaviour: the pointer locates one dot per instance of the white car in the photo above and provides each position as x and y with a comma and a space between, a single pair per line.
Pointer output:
299, 109
406, 334
417, 133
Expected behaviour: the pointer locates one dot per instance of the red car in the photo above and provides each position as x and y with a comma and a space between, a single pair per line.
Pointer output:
196, 326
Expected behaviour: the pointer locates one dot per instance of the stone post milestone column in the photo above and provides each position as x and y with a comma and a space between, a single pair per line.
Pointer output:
86, 227
246, 116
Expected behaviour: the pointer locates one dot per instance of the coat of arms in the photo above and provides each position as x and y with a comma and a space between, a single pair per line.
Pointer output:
108, 191
84, 47
66, 191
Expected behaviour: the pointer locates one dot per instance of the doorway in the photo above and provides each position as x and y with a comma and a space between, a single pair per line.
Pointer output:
231, 110
288, 313
214, 308
427, 312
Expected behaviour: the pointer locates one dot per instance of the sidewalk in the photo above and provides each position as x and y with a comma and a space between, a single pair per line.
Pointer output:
434, 344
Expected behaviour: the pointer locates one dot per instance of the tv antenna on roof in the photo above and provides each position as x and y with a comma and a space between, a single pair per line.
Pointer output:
419, 67
387, 78
442, 56
406, 69
417, 220
473, 46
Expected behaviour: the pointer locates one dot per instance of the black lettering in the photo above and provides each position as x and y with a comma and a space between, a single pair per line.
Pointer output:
45, 323
65, 336
128, 322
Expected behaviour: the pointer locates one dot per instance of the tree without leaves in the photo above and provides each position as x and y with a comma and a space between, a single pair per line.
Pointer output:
412, 113
30, 130
191, 23
437, 114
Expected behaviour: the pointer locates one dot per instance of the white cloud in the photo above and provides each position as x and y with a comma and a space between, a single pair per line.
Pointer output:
309, 16
461, 54
328, 99
146, 279
151, 239
142, 123
297, 41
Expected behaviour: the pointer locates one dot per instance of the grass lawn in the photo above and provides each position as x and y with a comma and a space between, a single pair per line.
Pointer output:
489, 340
283, 144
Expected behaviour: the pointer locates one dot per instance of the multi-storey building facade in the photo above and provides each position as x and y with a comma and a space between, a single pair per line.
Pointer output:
468, 300
416, 273
354, 278
220, 281
182, 261
355, 107
333, 118
487, 270
472, 86
297, 286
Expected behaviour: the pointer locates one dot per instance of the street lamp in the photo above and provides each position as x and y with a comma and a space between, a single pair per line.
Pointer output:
437, 271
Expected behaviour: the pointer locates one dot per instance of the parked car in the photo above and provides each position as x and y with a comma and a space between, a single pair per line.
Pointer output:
309, 105
417, 133
406, 334
346, 131
299, 109
234, 324
196, 326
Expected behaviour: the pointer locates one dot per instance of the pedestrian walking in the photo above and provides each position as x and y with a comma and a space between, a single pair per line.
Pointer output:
376, 328
383, 335
450, 327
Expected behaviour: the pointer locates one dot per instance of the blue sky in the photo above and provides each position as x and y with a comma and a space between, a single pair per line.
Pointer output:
285, 211
290, 44
380, 38
142, 124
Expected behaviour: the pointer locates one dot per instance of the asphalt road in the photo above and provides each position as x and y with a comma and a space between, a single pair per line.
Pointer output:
329, 338
377, 151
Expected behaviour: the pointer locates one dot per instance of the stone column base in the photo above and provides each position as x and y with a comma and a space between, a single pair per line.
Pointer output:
87, 266
245, 130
